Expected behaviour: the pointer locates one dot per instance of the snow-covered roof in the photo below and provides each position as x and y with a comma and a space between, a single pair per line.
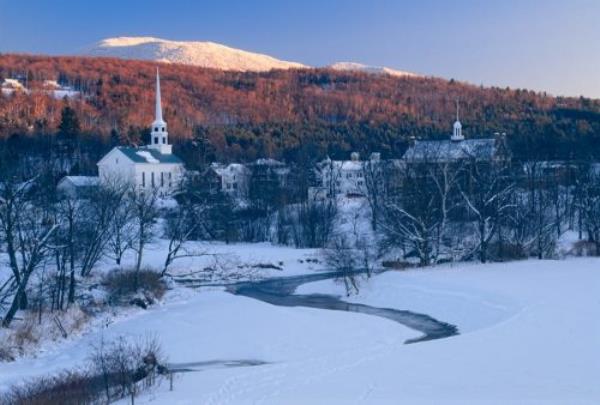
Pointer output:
342, 164
268, 162
148, 155
231, 168
82, 181
447, 150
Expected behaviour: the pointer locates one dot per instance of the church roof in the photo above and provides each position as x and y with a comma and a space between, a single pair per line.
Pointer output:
447, 150
148, 155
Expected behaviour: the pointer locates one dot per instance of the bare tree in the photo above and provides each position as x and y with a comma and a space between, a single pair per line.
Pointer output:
588, 201
182, 224
374, 172
341, 256
145, 214
487, 193
418, 220
314, 223
27, 227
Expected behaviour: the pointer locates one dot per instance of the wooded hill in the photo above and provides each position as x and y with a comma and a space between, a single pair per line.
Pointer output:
284, 114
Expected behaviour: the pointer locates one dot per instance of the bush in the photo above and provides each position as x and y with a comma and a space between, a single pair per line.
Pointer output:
118, 369
585, 248
131, 287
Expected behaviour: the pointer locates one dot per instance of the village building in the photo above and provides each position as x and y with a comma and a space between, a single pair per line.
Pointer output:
342, 177
77, 186
151, 167
457, 148
232, 179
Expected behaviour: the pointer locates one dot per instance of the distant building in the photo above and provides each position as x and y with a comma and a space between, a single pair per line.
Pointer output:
342, 177
148, 167
77, 186
268, 177
457, 149
233, 179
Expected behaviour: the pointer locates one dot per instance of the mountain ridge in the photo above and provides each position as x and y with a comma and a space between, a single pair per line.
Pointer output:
210, 54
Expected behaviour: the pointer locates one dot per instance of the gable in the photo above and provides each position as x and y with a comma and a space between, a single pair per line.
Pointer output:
113, 154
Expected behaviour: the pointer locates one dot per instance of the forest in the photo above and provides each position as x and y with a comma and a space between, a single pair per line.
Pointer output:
240, 116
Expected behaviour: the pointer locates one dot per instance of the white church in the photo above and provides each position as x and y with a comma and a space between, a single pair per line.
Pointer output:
148, 167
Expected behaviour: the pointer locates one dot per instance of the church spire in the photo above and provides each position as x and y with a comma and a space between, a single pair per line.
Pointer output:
159, 137
457, 135
158, 110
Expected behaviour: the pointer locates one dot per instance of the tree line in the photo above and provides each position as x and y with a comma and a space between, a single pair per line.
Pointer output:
241, 116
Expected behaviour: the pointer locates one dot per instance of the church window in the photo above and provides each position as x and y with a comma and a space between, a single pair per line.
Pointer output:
143, 179
152, 179
170, 176
165, 140
162, 179
156, 139
155, 129
163, 129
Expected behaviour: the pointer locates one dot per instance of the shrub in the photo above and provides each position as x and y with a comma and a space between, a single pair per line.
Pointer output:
139, 288
584, 248
118, 369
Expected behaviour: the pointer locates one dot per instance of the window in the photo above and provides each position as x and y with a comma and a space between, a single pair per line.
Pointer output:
156, 139
164, 140
162, 179
117, 160
348, 175
156, 129
143, 179
163, 129
170, 177
152, 178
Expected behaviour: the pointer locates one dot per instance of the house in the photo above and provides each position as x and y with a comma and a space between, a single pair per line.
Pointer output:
268, 178
151, 167
77, 186
234, 179
343, 177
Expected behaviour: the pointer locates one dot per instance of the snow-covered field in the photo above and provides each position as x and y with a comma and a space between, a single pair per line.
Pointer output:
530, 333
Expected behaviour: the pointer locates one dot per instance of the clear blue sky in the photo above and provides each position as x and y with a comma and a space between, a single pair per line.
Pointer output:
551, 45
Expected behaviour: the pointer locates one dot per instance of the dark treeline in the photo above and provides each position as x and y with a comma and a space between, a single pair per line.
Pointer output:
240, 116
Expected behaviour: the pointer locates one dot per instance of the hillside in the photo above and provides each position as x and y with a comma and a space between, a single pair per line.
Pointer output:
243, 115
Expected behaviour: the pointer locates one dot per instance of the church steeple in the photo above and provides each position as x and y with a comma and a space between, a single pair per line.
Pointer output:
457, 135
158, 109
159, 137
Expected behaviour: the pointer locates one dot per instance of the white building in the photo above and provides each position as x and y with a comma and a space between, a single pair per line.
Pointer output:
341, 177
234, 179
77, 186
148, 167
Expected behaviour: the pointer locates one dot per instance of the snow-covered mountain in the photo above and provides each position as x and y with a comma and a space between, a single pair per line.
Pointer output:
209, 54
359, 67
205, 54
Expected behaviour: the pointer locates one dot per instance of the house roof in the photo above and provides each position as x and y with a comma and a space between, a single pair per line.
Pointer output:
148, 155
447, 150
82, 181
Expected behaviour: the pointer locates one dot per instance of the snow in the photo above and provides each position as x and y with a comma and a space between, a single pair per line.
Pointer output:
83, 181
359, 67
205, 54
211, 55
528, 334
148, 156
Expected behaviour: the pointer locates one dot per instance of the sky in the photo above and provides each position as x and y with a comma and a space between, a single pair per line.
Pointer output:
545, 45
